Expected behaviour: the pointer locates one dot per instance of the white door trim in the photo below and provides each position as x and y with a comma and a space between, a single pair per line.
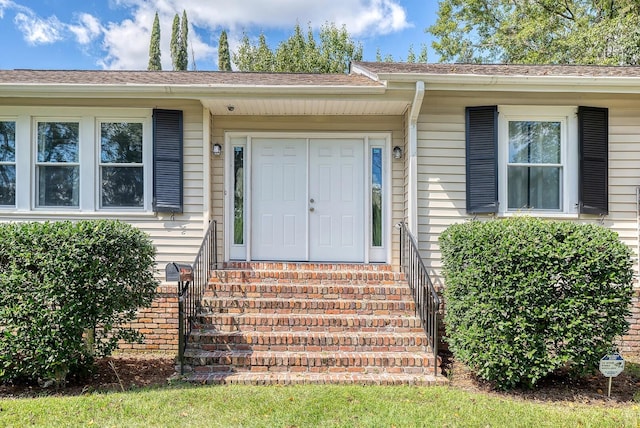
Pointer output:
370, 139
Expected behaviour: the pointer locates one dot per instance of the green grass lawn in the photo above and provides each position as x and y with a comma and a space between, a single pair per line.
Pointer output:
306, 406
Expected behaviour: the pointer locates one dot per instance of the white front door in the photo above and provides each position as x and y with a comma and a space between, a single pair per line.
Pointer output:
279, 195
336, 192
307, 200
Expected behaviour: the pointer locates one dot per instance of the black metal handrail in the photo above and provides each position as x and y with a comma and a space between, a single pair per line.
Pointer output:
424, 293
191, 289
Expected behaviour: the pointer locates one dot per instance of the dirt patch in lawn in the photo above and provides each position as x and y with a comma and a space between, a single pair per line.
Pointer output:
129, 371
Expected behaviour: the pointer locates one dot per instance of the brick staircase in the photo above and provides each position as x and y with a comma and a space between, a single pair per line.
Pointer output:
288, 323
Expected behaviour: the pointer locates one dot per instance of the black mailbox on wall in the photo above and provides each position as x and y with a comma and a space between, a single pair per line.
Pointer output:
178, 272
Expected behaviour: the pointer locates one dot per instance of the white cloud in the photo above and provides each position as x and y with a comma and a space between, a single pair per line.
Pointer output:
4, 4
37, 30
87, 30
127, 46
127, 42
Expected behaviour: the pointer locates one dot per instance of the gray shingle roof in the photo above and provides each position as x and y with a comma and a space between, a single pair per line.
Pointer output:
173, 78
500, 69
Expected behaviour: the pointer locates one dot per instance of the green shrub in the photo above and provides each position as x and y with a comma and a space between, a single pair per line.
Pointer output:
65, 290
526, 297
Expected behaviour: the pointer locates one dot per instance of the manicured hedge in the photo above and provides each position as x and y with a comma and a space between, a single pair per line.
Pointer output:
62, 283
526, 297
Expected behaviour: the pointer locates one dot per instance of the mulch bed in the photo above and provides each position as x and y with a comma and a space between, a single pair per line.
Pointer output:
116, 373
591, 389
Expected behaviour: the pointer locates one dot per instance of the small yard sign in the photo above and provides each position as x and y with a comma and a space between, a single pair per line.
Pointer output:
611, 366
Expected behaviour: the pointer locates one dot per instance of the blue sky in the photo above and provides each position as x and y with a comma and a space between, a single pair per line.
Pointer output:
114, 34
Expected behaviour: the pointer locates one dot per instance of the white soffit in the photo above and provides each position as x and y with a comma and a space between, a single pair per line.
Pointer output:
296, 106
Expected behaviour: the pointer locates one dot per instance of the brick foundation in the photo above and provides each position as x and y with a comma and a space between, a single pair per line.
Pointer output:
159, 323
630, 344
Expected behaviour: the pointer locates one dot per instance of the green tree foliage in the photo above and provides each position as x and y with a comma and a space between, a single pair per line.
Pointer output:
332, 53
179, 42
174, 45
224, 56
184, 42
66, 292
154, 46
526, 297
411, 55
423, 57
250, 57
540, 31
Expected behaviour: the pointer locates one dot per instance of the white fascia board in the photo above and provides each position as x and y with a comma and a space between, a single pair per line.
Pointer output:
456, 82
182, 91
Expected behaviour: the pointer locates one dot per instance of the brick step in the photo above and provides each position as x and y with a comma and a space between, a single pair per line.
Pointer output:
308, 341
307, 322
312, 291
286, 378
198, 360
232, 305
327, 277
303, 266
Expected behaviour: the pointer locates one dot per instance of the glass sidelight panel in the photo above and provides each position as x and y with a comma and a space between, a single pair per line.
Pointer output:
376, 196
238, 195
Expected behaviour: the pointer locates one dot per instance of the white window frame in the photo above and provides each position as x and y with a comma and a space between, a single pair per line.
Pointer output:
15, 160
147, 159
379, 253
26, 119
237, 251
37, 164
567, 117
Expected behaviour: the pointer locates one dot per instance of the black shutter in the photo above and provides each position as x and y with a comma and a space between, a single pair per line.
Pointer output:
167, 161
482, 159
593, 142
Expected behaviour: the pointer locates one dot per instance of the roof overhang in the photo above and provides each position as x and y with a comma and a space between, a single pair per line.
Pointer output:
522, 83
506, 83
224, 99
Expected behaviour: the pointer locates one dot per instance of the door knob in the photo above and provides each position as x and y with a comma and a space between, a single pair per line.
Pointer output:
312, 209
311, 200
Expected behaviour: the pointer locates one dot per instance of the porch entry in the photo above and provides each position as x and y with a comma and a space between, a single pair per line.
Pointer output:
308, 199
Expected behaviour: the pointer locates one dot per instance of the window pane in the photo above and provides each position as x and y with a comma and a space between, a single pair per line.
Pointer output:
122, 187
238, 195
58, 141
7, 185
534, 142
536, 188
376, 197
58, 186
121, 142
7, 141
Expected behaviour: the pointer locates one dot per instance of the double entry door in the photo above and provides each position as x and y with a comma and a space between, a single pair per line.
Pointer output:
307, 200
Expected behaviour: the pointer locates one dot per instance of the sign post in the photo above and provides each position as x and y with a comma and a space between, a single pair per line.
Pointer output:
611, 366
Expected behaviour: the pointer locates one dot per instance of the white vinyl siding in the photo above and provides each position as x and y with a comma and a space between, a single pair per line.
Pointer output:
441, 162
178, 237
